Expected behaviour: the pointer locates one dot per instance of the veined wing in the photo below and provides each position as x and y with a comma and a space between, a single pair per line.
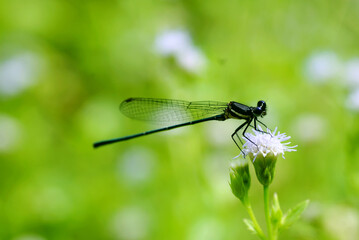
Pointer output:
169, 110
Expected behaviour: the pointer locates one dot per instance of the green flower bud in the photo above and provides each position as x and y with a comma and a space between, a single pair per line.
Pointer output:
240, 179
264, 167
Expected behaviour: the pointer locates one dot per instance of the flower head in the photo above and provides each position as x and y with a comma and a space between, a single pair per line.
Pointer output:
263, 148
266, 143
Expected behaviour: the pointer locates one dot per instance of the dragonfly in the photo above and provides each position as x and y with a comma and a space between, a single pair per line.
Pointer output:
188, 113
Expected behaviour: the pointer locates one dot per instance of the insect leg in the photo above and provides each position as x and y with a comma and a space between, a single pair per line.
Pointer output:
239, 138
263, 125
244, 131
235, 134
255, 126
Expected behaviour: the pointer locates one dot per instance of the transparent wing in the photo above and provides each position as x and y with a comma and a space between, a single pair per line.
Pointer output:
168, 110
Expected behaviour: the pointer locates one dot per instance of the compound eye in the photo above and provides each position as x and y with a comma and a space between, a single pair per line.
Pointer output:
261, 104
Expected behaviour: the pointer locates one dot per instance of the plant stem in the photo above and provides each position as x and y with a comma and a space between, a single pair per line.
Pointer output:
254, 220
266, 211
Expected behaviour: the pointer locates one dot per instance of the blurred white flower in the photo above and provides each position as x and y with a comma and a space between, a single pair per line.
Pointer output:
192, 60
9, 133
172, 42
131, 223
351, 72
352, 102
309, 127
18, 73
322, 66
136, 165
178, 43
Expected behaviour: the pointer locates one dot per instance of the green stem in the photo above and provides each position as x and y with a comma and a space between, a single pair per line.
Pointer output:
266, 211
275, 233
254, 220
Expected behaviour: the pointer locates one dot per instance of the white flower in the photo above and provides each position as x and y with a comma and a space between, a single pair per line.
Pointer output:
261, 143
351, 73
192, 60
178, 43
18, 73
322, 66
172, 42
352, 102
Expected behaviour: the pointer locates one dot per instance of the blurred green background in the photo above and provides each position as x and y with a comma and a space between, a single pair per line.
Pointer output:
65, 66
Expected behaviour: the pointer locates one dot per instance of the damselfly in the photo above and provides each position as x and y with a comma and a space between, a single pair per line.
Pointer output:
189, 113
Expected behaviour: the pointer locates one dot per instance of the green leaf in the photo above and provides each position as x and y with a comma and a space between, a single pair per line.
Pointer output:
293, 214
276, 212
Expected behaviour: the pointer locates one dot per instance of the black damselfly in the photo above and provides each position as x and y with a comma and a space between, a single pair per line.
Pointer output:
189, 113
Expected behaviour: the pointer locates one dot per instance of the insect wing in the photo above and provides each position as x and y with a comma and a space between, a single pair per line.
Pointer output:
169, 110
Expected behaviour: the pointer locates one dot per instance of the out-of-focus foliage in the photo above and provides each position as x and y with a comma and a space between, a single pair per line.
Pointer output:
66, 65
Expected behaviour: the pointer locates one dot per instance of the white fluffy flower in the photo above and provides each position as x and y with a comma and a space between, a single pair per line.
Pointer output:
261, 143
